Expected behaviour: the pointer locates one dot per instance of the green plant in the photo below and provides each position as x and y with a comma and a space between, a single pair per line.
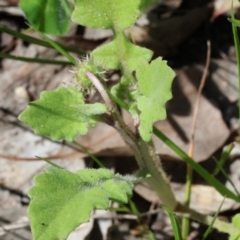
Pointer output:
63, 114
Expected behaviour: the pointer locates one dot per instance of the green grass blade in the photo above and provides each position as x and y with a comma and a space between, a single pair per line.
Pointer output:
84, 149
36, 40
234, 21
133, 208
227, 177
49, 162
223, 159
174, 222
59, 49
237, 46
199, 169
34, 60
151, 235
214, 219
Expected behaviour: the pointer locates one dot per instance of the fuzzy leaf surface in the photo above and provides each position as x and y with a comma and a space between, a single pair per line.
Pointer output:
48, 16
61, 114
106, 13
155, 80
119, 51
62, 200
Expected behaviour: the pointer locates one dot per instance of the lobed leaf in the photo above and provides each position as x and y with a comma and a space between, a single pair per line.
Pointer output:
61, 114
113, 54
106, 13
62, 200
155, 81
48, 16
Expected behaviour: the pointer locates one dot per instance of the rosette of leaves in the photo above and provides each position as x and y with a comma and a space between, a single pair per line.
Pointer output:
146, 94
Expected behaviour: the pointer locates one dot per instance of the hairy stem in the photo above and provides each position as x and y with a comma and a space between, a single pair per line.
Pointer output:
148, 160
99, 86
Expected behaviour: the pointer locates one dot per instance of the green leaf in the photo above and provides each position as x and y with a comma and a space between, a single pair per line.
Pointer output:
120, 50
155, 81
234, 237
106, 13
62, 200
236, 223
48, 16
61, 114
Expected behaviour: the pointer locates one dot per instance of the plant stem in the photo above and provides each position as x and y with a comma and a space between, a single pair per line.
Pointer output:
198, 168
185, 221
99, 86
158, 180
148, 160
145, 153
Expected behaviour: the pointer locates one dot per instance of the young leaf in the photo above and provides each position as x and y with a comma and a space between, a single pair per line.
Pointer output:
106, 13
50, 17
61, 114
155, 81
62, 200
120, 50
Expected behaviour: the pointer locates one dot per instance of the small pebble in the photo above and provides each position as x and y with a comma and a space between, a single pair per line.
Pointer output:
21, 92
